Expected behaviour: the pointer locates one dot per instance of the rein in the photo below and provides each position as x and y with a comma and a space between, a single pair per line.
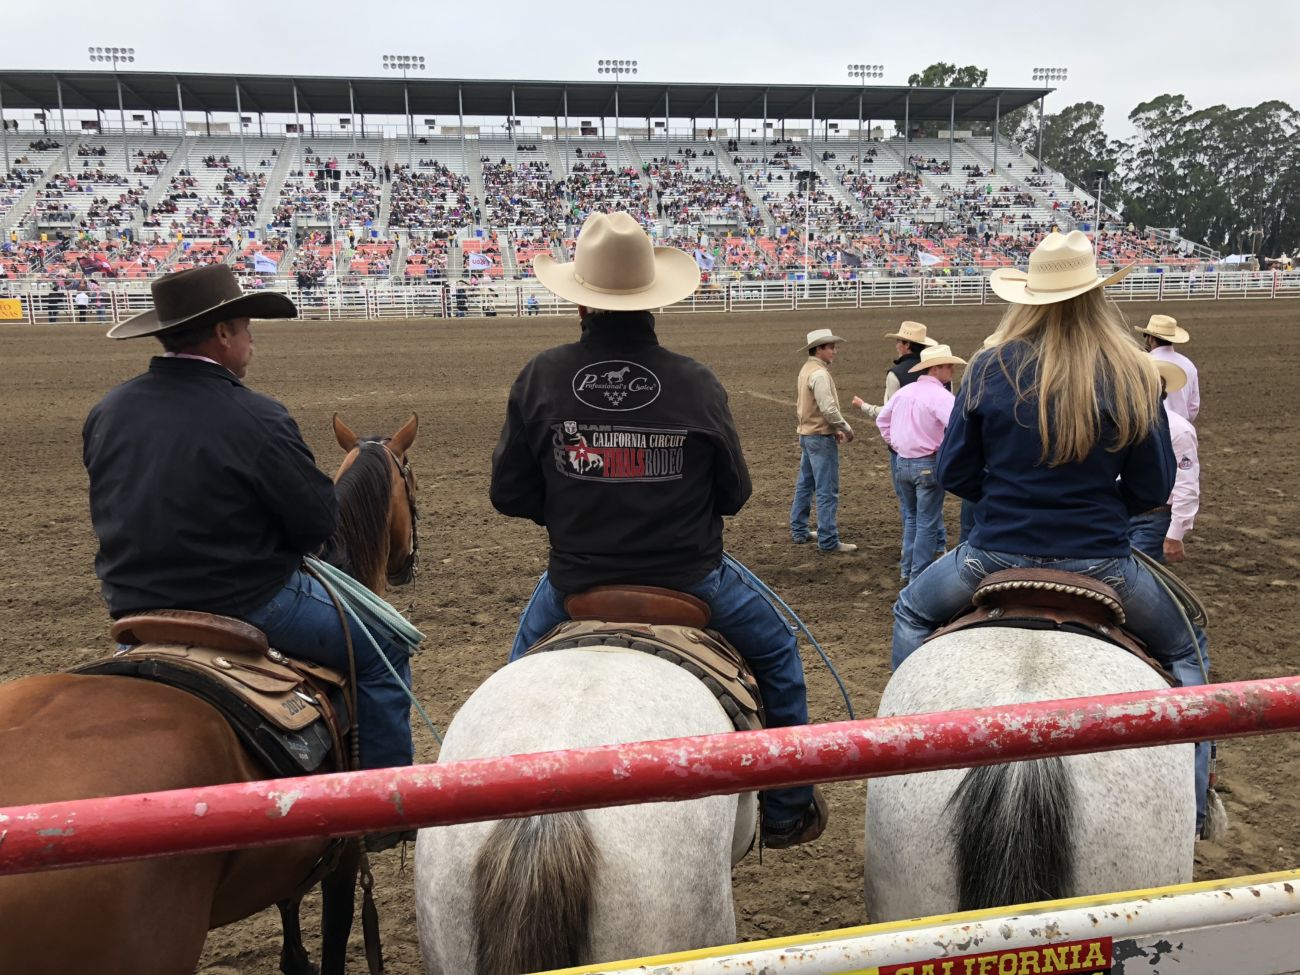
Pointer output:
410, 566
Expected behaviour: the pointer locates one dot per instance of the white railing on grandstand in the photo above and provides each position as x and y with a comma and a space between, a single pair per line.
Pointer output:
382, 298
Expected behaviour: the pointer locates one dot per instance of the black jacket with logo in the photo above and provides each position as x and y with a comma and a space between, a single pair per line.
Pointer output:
202, 492
626, 452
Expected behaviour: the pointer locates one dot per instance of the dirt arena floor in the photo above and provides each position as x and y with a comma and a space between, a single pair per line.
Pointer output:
1244, 556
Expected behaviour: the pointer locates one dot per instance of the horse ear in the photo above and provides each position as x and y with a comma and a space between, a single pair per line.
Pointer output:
404, 437
346, 438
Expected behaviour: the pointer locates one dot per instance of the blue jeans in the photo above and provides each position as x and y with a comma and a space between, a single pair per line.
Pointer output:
753, 626
301, 621
819, 474
945, 588
907, 517
922, 500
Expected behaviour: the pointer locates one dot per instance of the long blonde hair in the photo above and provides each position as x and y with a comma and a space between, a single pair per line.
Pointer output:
1082, 360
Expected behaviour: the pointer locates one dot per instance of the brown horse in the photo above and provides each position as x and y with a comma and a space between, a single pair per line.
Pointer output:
65, 736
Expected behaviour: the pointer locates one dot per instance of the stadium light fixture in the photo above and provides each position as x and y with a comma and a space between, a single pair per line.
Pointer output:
1046, 76
405, 63
114, 55
617, 67
863, 73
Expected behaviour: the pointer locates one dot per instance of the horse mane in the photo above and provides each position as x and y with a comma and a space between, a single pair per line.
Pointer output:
359, 546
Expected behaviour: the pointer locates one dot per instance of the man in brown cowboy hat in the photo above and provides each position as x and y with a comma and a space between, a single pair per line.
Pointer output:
1162, 334
629, 456
204, 496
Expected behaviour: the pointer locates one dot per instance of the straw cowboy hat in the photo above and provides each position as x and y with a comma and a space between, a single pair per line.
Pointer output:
1171, 372
1166, 328
1062, 266
201, 296
936, 355
615, 267
911, 332
821, 336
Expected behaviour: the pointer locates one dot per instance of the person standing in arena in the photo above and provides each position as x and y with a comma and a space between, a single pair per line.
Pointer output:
821, 428
1058, 434
1162, 334
628, 455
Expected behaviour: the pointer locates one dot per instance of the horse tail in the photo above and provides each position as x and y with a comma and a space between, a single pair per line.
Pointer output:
533, 891
1013, 831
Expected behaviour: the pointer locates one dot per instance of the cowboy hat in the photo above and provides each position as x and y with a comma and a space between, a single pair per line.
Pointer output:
1172, 373
936, 355
201, 296
615, 267
1165, 328
821, 336
1062, 266
911, 332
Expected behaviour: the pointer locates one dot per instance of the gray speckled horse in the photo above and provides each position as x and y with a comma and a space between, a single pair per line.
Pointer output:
963, 839
499, 898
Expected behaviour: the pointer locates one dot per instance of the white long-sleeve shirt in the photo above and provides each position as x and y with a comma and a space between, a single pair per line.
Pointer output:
892, 386
1185, 500
1186, 402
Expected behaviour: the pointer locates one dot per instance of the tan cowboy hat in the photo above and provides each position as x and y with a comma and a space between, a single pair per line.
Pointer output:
1171, 372
820, 336
1062, 266
199, 296
1166, 328
911, 332
936, 355
615, 267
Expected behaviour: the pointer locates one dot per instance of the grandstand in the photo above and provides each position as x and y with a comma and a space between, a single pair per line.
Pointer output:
476, 203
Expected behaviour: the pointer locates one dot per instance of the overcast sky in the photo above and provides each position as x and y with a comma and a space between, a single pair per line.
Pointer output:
1117, 54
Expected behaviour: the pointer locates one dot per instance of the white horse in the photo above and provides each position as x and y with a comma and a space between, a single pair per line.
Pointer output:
500, 898
939, 842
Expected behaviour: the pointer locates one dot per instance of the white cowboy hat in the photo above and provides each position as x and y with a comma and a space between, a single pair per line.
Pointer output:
1171, 372
1166, 328
615, 267
911, 332
936, 355
1062, 266
820, 336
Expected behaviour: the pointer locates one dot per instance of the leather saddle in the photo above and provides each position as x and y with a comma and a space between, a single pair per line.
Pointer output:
290, 714
670, 625
1049, 599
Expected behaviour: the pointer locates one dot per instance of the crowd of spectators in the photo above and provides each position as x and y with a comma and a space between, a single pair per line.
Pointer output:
431, 197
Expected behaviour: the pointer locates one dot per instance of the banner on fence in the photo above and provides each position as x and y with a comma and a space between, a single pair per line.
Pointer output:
11, 309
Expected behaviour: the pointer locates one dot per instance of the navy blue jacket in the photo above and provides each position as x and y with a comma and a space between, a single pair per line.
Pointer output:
202, 492
990, 454
626, 452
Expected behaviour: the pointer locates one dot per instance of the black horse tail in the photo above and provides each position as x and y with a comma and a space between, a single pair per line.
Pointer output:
1013, 833
533, 891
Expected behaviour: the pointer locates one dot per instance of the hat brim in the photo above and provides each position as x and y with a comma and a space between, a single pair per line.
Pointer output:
903, 338
677, 276
1172, 373
1180, 335
943, 360
256, 304
1012, 284
829, 340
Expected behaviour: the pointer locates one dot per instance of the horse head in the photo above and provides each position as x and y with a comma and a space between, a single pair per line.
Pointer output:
377, 540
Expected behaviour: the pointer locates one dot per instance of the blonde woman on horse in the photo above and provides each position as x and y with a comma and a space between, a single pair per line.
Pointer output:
1059, 435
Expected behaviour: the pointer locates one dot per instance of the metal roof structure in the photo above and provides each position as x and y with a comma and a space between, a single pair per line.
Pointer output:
283, 94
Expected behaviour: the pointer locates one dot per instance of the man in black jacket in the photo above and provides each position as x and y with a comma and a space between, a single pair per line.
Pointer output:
204, 496
628, 455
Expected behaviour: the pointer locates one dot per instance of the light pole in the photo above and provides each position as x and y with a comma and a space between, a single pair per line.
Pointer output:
864, 72
1101, 176
617, 67
114, 55
1045, 76
405, 63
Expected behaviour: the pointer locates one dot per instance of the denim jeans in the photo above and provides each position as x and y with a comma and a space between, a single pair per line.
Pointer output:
922, 499
819, 474
906, 516
301, 621
945, 588
753, 626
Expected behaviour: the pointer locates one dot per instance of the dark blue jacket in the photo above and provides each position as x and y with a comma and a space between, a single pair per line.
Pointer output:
990, 454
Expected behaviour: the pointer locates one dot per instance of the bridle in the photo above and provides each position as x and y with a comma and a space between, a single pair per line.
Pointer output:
410, 566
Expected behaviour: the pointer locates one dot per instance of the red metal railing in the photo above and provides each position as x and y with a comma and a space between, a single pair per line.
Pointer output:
224, 817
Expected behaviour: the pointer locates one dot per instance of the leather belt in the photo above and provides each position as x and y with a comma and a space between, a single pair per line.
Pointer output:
1156, 511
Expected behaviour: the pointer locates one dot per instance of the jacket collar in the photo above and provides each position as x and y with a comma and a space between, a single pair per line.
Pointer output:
174, 366
620, 328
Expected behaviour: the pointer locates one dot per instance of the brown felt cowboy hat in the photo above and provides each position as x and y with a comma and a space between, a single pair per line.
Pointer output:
201, 296
615, 267
1165, 328
911, 332
1062, 266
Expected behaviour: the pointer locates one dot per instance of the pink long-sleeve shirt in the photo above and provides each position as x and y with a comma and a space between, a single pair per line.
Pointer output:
1186, 402
1185, 498
915, 418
